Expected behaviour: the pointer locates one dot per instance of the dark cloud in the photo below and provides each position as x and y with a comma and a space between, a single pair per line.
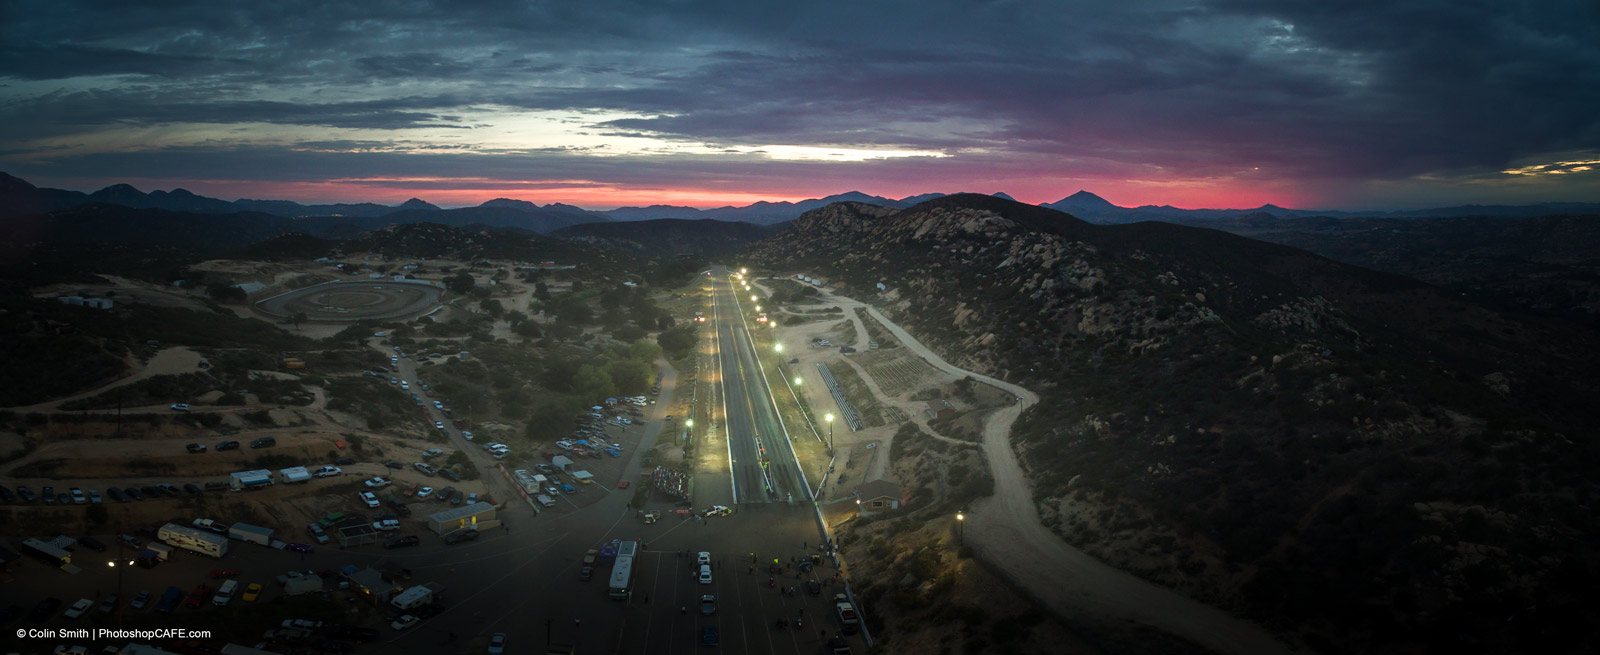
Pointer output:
1320, 94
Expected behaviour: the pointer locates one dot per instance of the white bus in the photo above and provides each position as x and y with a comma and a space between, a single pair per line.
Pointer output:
621, 578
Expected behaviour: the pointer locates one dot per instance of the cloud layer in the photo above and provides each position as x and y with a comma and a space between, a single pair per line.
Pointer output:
1189, 103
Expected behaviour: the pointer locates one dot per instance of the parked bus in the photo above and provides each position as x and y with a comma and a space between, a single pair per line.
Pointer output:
621, 578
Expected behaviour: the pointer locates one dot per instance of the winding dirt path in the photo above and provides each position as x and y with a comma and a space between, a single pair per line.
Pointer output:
1005, 531
171, 361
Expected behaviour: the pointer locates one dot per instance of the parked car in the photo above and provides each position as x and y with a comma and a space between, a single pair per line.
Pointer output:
264, 442
298, 548
369, 499
78, 498
401, 541
251, 592
317, 533
92, 544
141, 600
197, 597
450, 474
460, 535
219, 574
94, 496
377, 483
116, 494
424, 469
227, 445
387, 525
79, 608
180, 407
192, 489
425, 492
196, 448
394, 464
434, 452
26, 494
49, 494
43, 609
708, 604
328, 472
444, 494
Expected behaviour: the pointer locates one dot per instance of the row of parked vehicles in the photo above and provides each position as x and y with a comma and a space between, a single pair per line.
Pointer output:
77, 496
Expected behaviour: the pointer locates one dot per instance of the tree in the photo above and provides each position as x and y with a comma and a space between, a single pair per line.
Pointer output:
298, 318
225, 293
629, 376
492, 307
593, 384
527, 329
676, 341
460, 282
551, 420
541, 291
643, 351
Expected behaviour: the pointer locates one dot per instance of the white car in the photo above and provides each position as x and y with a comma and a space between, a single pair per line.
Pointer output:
466, 435
705, 574
404, 622
78, 608
180, 407
438, 425
377, 483
328, 471
386, 524
425, 492
437, 404
370, 500
497, 643
405, 385
380, 334
703, 558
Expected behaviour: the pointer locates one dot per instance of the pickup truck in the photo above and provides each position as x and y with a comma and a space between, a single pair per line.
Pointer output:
848, 621
169, 600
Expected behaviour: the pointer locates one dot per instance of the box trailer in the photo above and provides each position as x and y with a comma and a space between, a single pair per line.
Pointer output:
199, 541
413, 598
252, 533
545, 500
47, 552
583, 476
163, 552
305, 583
294, 474
250, 479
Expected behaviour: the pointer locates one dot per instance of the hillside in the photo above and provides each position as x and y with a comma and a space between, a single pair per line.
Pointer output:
1546, 264
669, 236
1355, 459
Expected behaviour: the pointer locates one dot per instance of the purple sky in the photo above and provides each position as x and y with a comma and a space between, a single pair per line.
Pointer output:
1353, 105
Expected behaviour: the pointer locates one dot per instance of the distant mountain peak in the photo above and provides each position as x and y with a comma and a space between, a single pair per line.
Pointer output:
1084, 198
418, 203
1002, 194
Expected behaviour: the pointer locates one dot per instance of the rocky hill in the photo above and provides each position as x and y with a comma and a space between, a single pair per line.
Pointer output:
1356, 459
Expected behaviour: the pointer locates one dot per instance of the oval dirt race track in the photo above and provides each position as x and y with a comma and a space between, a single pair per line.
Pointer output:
354, 301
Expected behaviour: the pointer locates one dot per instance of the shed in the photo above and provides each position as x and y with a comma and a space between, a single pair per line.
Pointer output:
561, 462
373, 586
940, 408
356, 534
457, 518
877, 496
250, 287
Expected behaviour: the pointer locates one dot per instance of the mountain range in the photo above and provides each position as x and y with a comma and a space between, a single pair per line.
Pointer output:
18, 198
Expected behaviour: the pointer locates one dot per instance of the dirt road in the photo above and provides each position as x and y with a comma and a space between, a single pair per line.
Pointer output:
171, 361
1004, 530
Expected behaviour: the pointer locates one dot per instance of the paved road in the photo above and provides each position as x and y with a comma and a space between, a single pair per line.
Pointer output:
764, 466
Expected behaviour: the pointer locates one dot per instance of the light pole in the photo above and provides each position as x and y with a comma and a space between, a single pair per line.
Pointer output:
961, 527
689, 424
829, 419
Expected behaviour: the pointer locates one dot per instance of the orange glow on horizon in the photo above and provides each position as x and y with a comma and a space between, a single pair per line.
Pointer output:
467, 192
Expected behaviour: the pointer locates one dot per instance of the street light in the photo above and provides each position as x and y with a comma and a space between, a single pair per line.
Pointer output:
742, 271
829, 419
778, 347
961, 527
752, 296
797, 380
